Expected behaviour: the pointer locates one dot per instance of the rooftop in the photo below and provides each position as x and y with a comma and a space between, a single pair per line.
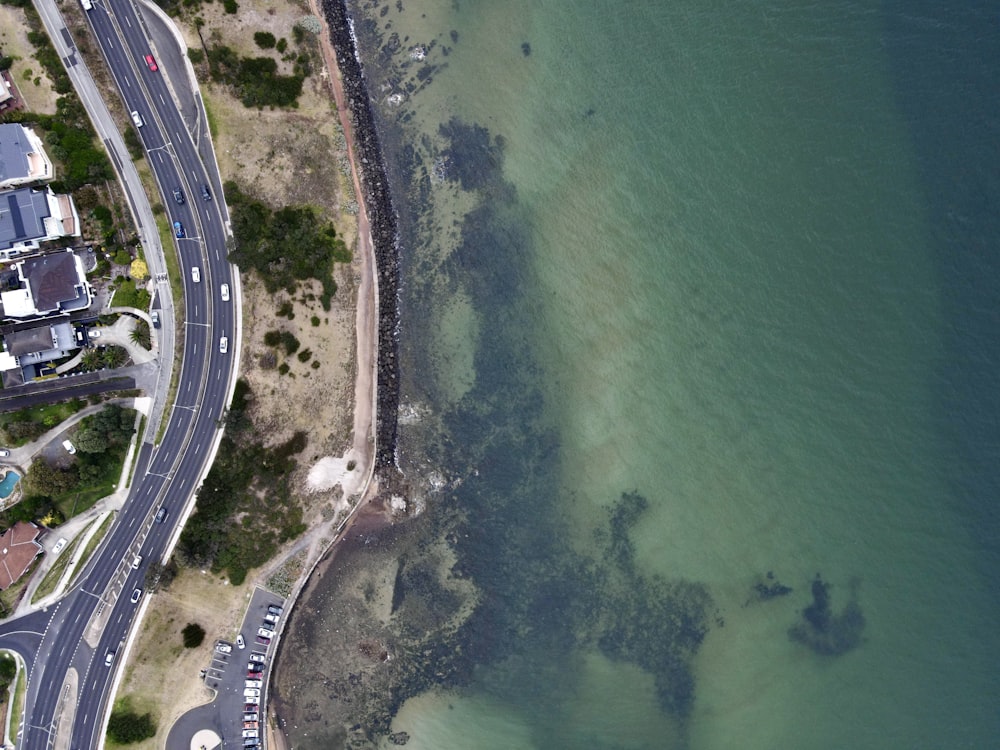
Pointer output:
17, 550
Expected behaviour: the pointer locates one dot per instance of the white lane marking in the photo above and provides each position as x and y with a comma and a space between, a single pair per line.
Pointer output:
128, 22
159, 155
110, 43
162, 99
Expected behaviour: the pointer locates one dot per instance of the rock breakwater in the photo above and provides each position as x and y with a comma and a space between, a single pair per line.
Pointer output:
383, 221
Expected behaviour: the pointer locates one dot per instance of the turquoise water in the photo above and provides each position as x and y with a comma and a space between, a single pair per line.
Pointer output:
8, 483
699, 302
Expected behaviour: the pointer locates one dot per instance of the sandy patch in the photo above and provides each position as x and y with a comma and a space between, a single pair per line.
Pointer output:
27, 72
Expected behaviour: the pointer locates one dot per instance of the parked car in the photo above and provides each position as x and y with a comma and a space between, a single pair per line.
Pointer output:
250, 706
249, 733
257, 656
4, 453
58, 547
253, 684
178, 196
179, 230
270, 619
223, 648
265, 633
274, 609
151, 63
250, 716
136, 596
225, 292
255, 667
263, 641
240, 643
251, 693
155, 317
250, 725
70, 448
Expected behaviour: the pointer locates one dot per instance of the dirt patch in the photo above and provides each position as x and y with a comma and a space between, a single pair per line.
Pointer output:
29, 75
162, 676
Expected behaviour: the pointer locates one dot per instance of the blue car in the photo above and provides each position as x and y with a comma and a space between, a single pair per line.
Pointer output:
179, 230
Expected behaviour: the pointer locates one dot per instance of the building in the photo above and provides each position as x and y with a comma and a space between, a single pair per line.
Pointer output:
22, 157
18, 549
46, 285
30, 217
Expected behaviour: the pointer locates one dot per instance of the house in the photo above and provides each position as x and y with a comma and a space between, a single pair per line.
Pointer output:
46, 285
30, 217
18, 549
22, 156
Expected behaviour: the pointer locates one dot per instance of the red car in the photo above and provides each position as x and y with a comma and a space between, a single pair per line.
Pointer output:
151, 63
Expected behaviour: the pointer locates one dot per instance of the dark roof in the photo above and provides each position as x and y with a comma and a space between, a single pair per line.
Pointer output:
52, 279
14, 150
29, 341
17, 549
22, 216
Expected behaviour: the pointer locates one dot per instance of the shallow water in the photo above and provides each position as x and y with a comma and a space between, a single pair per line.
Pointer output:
740, 261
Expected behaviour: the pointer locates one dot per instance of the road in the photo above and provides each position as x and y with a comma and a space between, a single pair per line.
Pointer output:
94, 618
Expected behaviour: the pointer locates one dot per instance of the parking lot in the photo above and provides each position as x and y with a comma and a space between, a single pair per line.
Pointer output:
238, 672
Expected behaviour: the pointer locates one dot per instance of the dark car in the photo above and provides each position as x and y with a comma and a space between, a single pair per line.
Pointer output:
161, 515
205, 194
179, 230
178, 196
263, 641
250, 707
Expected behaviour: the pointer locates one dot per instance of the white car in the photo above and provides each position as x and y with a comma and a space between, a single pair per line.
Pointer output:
251, 693
137, 119
240, 643
136, 595
223, 345
249, 734
223, 648
4, 453
59, 546
257, 657
265, 633
136, 562
108, 658
70, 448
94, 333
252, 683
195, 274
225, 292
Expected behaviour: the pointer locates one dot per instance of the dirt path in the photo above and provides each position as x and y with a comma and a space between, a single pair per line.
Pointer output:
367, 304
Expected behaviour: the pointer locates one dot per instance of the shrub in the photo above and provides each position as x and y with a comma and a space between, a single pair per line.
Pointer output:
282, 44
264, 39
272, 338
290, 343
315, 321
126, 726
194, 635
231, 6
305, 355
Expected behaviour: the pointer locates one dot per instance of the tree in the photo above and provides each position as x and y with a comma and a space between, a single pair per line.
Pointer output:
91, 360
90, 440
193, 634
140, 335
126, 726
46, 479
139, 269
114, 356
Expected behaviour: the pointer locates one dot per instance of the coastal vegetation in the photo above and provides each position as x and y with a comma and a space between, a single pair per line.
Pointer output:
285, 246
250, 482
24, 425
193, 635
127, 726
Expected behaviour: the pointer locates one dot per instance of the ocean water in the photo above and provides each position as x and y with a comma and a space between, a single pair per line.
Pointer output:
699, 324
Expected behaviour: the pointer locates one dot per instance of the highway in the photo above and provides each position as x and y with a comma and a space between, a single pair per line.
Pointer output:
94, 618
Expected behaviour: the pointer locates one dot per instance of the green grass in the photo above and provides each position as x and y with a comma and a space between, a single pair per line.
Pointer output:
213, 124
52, 578
91, 546
177, 290
46, 417
17, 702
138, 443
9, 597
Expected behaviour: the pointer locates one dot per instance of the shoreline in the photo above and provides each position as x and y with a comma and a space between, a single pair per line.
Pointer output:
361, 135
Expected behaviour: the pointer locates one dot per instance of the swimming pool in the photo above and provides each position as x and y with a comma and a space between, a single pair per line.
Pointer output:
7, 485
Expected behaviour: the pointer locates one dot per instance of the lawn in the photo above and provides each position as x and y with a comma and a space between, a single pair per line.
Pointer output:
48, 584
24, 425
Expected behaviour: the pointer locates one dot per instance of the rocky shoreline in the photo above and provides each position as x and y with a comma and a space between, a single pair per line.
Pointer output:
383, 220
